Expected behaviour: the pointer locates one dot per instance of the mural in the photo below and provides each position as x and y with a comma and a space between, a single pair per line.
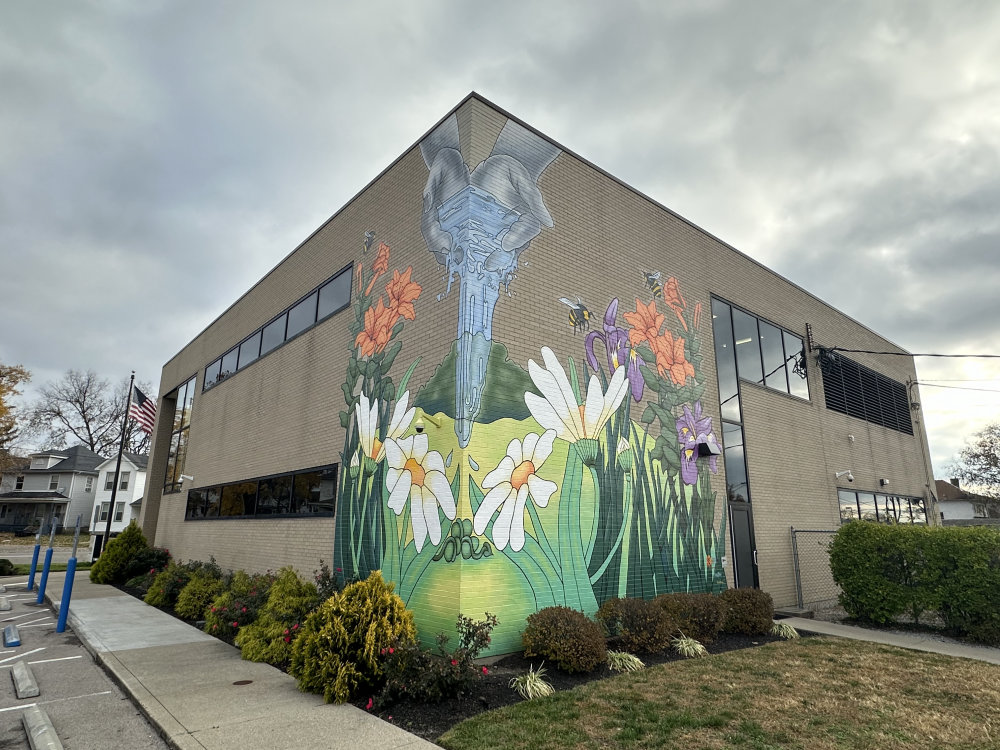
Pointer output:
570, 481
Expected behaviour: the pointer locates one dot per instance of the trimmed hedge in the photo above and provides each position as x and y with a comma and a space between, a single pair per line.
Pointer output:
637, 626
884, 571
748, 611
565, 637
116, 560
700, 616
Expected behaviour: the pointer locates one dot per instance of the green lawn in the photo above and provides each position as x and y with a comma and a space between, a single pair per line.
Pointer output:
811, 693
25, 569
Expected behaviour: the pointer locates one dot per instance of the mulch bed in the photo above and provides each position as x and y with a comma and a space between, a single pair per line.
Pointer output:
431, 720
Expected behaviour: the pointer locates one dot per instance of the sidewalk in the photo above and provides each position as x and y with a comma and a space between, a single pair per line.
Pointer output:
914, 641
199, 692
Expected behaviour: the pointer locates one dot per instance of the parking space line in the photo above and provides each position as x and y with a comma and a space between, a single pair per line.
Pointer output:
18, 617
15, 708
18, 656
45, 624
49, 661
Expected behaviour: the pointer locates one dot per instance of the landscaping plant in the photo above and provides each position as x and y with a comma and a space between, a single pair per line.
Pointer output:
269, 638
622, 661
566, 637
239, 605
116, 560
167, 586
699, 615
532, 684
339, 652
784, 630
199, 593
637, 625
748, 611
688, 647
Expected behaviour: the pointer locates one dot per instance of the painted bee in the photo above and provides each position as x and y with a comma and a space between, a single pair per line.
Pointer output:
579, 315
653, 283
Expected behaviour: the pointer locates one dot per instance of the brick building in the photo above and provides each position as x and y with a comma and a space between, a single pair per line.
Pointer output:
508, 380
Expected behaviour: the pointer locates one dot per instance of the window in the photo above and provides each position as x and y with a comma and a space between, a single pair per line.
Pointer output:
54, 482
125, 475
329, 298
97, 513
105, 507
859, 392
119, 511
19, 482
305, 493
183, 400
109, 481
90, 485
872, 506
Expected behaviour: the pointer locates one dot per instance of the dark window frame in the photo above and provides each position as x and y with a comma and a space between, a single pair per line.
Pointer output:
212, 378
182, 432
201, 497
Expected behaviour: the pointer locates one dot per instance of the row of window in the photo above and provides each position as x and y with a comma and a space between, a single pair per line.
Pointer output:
857, 391
101, 513
329, 298
182, 400
873, 506
109, 481
305, 493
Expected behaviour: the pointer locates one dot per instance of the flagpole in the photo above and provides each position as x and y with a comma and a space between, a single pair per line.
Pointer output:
118, 465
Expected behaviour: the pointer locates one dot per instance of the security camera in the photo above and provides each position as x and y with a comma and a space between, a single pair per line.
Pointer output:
847, 474
186, 477
850, 477
419, 426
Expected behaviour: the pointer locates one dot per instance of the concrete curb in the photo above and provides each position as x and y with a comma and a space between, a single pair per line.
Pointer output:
41, 734
25, 684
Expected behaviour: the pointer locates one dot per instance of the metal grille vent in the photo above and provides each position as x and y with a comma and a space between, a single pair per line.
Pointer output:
859, 392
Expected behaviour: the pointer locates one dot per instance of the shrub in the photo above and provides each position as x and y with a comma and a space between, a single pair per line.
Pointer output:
622, 661
964, 576
239, 605
197, 596
700, 616
748, 611
338, 653
327, 582
269, 638
141, 584
423, 675
6, 567
637, 625
532, 684
167, 586
688, 647
565, 637
116, 560
146, 561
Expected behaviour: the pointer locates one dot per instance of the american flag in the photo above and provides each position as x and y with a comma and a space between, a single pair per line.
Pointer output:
142, 410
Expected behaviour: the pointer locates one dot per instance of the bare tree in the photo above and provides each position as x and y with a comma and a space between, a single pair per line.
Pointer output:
979, 461
84, 408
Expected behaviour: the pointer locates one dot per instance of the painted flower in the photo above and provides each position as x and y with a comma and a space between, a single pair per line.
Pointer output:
402, 293
670, 358
557, 409
367, 419
694, 430
620, 352
417, 473
673, 297
379, 321
511, 484
645, 322
379, 266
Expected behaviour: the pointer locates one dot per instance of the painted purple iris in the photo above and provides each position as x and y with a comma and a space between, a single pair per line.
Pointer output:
694, 430
619, 350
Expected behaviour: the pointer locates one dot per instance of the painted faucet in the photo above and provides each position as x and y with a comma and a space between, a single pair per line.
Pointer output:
477, 224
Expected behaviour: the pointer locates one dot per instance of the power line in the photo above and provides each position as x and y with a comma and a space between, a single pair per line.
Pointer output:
958, 387
906, 354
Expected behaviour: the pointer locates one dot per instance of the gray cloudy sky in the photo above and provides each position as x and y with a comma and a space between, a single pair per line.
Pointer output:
157, 158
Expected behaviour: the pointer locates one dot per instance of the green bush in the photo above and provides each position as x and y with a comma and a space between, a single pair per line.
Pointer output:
964, 574
748, 611
167, 586
151, 560
700, 616
197, 596
239, 605
637, 625
141, 583
420, 674
269, 638
339, 650
566, 638
6, 567
116, 560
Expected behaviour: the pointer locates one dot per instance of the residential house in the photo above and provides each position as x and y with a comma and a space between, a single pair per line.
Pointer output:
56, 486
958, 504
131, 485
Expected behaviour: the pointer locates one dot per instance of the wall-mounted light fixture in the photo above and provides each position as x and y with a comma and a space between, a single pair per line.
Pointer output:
883, 482
847, 474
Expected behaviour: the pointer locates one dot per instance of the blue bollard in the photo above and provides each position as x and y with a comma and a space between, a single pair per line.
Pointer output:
34, 566
45, 576
66, 594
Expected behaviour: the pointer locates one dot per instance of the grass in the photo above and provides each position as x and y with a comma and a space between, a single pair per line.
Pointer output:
61, 540
25, 568
810, 693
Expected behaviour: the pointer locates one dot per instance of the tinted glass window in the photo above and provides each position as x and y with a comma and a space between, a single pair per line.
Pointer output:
747, 346
188, 401
274, 496
725, 361
795, 351
848, 506
891, 510
867, 506
239, 499
773, 351
301, 316
196, 504
212, 373
335, 294
249, 350
273, 334
213, 496
736, 468
229, 364
917, 510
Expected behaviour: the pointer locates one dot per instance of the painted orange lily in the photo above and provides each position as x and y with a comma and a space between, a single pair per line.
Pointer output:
402, 293
670, 358
645, 322
379, 321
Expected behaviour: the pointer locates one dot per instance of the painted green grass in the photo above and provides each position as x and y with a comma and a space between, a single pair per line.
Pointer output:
810, 693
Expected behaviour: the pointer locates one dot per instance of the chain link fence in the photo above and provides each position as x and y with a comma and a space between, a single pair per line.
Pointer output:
814, 585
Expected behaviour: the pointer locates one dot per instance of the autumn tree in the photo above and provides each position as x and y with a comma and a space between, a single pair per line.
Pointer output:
85, 408
11, 376
979, 461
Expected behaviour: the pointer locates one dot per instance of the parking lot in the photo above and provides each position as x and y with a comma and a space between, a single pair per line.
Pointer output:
86, 709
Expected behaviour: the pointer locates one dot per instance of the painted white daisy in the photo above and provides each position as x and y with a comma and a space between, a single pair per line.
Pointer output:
511, 484
417, 473
367, 418
557, 409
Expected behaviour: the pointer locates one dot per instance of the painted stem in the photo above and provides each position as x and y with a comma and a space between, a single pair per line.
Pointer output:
577, 592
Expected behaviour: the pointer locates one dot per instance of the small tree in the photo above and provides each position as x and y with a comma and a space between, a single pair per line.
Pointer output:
979, 462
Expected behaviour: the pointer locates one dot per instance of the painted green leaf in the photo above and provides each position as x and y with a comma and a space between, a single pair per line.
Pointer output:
651, 378
406, 379
390, 356
475, 494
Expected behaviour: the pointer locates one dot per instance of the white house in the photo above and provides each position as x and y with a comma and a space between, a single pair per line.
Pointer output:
131, 485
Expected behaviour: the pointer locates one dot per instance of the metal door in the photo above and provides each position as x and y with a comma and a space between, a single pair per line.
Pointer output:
744, 549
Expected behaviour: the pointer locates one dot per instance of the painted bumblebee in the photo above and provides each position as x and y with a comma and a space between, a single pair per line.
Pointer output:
653, 283
579, 315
